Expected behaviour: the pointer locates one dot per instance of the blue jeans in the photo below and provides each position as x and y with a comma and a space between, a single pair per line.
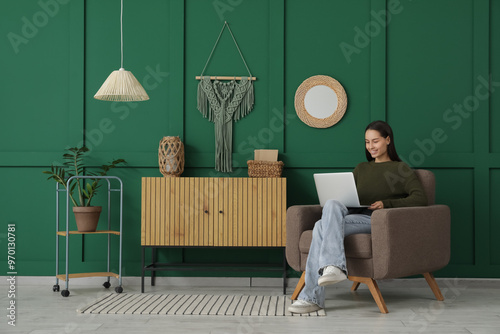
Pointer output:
327, 246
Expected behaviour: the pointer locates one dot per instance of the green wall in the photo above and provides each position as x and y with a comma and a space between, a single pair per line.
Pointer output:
430, 69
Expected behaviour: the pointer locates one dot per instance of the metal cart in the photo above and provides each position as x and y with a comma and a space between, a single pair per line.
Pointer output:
66, 233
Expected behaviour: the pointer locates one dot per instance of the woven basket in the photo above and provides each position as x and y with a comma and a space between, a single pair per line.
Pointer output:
171, 156
257, 168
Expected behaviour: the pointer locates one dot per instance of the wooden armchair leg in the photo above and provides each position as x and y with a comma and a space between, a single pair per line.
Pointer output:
429, 277
355, 286
300, 286
375, 291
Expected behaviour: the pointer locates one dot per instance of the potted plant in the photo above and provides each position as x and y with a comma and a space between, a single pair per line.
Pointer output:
86, 216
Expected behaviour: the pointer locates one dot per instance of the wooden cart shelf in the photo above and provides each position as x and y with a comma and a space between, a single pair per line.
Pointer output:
63, 233
80, 275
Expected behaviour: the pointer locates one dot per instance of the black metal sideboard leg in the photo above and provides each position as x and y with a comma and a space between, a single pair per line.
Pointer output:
153, 272
142, 269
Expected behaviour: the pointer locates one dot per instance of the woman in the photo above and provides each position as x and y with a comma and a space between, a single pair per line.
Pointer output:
382, 182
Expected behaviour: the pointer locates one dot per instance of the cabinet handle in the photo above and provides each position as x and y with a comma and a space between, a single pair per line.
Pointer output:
206, 211
220, 211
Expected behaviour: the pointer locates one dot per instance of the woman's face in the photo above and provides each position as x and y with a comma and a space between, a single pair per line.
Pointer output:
376, 145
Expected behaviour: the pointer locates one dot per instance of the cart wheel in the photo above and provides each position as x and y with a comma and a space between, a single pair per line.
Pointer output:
55, 288
65, 293
119, 289
106, 285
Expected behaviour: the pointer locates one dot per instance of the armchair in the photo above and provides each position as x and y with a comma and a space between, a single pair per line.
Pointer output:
403, 242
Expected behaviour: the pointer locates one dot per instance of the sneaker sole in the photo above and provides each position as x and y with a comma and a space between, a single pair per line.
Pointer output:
324, 281
303, 309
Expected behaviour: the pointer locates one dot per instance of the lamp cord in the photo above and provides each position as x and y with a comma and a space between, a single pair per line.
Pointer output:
121, 31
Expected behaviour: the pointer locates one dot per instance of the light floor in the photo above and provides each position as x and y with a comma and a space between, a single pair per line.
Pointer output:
470, 306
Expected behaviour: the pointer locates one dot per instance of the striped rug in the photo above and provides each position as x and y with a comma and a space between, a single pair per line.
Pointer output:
175, 304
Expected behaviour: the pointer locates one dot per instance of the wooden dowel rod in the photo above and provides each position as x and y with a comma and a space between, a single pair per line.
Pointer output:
226, 78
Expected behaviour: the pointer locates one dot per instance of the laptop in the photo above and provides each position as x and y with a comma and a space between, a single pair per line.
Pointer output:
338, 186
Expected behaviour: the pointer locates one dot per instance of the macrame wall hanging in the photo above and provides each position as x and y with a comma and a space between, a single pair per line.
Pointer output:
223, 102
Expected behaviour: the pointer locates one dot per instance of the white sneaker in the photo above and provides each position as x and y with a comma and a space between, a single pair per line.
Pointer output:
303, 306
331, 275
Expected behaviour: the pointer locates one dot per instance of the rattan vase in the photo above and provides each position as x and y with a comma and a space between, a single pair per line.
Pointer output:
171, 156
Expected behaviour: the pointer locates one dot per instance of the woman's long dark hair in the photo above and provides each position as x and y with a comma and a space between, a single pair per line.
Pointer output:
385, 131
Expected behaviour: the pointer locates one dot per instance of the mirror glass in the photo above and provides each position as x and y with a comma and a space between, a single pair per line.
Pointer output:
321, 101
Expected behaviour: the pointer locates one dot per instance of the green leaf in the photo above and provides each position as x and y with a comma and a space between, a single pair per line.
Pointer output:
73, 165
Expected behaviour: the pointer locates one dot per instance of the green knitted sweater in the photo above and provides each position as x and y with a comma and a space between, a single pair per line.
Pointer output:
392, 182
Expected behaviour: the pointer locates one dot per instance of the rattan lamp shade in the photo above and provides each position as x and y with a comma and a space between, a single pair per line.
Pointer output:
121, 85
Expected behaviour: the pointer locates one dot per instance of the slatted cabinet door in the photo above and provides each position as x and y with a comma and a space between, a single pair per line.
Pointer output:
221, 212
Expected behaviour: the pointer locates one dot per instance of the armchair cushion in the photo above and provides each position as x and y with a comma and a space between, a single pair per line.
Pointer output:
305, 241
357, 246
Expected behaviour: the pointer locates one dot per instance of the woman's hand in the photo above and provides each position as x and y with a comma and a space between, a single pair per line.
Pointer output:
377, 205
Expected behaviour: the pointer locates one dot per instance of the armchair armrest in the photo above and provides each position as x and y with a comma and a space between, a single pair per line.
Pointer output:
409, 241
299, 218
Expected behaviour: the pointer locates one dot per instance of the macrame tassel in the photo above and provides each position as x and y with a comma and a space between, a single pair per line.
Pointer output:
202, 100
219, 146
248, 100
246, 104
228, 152
223, 147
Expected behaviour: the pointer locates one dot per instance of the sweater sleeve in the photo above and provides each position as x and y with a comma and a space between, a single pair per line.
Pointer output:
413, 187
355, 172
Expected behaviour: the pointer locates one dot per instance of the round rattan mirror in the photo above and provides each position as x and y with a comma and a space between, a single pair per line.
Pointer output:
320, 101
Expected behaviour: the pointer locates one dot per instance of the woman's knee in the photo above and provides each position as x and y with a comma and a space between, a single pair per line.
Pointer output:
333, 204
317, 227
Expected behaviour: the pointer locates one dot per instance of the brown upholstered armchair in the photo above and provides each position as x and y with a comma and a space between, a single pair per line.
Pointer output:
403, 242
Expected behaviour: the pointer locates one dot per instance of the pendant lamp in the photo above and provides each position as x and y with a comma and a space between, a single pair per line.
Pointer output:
121, 85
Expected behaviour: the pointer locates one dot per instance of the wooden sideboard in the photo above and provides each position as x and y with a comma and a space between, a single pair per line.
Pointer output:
211, 212
203, 211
